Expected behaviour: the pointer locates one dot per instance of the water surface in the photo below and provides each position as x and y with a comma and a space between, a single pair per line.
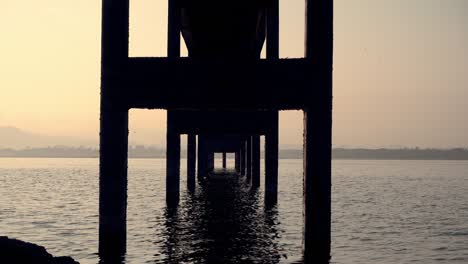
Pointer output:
383, 212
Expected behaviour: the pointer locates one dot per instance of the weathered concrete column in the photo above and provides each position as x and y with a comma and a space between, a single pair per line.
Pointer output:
173, 136
271, 159
173, 29
318, 135
242, 157
113, 182
248, 164
211, 162
202, 157
172, 161
317, 185
224, 160
113, 133
271, 137
237, 161
256, 161
191, 160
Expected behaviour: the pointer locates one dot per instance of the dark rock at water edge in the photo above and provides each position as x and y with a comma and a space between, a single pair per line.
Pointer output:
17, 251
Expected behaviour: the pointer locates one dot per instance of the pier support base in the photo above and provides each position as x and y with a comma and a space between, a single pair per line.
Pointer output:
211, 161
201, 171
191, 160
255, 161
172, 162
242, 158
237, 161
271, 160
317, 186
113, 182
248, 164
224, 160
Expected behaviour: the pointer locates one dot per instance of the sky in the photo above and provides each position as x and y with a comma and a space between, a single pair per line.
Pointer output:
400, 70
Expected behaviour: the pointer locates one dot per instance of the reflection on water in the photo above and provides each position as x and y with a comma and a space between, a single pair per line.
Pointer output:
383, 212
222, 221
222, 224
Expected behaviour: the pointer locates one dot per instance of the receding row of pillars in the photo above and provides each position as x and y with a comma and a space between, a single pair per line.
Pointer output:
113, 180
247, 162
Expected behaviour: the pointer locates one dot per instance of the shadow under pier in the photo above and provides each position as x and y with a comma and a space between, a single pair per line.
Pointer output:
222, 222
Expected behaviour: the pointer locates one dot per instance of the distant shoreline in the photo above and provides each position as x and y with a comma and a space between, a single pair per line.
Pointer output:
338, 153
333, 158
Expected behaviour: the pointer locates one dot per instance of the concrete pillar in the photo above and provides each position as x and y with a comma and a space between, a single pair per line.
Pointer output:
271, 137
271, 159
256, 161
191, 160
202, 157
172, 161
173, 30
224, 160
113, 182
211, 162
237, 161
173, 136
318, 135
248, 164
272, 43
243, 158
113, 133
317, 186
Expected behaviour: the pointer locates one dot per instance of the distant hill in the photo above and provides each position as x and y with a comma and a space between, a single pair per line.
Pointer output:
402, 154
12, 137
338, 153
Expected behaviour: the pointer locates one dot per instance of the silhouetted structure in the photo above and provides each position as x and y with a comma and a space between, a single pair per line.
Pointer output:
214, 127
213, 34
199, 84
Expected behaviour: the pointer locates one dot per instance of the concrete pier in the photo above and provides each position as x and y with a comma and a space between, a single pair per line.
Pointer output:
224, 160
113, 181
237, 163
318, 136
242, 158
191, 160
248, 164
271, 137
271, 160
173, 135
271, 84
255, 161
211, 161
113, 133
202, 157
172, 162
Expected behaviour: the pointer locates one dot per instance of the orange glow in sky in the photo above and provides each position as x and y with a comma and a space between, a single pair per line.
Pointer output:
400, 73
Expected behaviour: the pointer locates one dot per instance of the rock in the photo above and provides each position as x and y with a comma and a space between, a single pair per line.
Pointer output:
17, 251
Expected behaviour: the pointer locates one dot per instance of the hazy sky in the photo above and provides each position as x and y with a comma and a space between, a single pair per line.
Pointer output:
400, 78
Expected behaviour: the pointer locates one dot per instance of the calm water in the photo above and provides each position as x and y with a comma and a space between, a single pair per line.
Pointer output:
383, 212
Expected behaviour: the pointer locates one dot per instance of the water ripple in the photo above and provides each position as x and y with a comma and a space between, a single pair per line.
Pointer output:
383, 212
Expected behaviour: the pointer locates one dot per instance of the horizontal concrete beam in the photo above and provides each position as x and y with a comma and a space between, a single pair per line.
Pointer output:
222, 122
183, 83
222, 143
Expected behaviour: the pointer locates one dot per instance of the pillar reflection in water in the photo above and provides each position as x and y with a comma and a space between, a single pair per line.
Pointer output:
222, 222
